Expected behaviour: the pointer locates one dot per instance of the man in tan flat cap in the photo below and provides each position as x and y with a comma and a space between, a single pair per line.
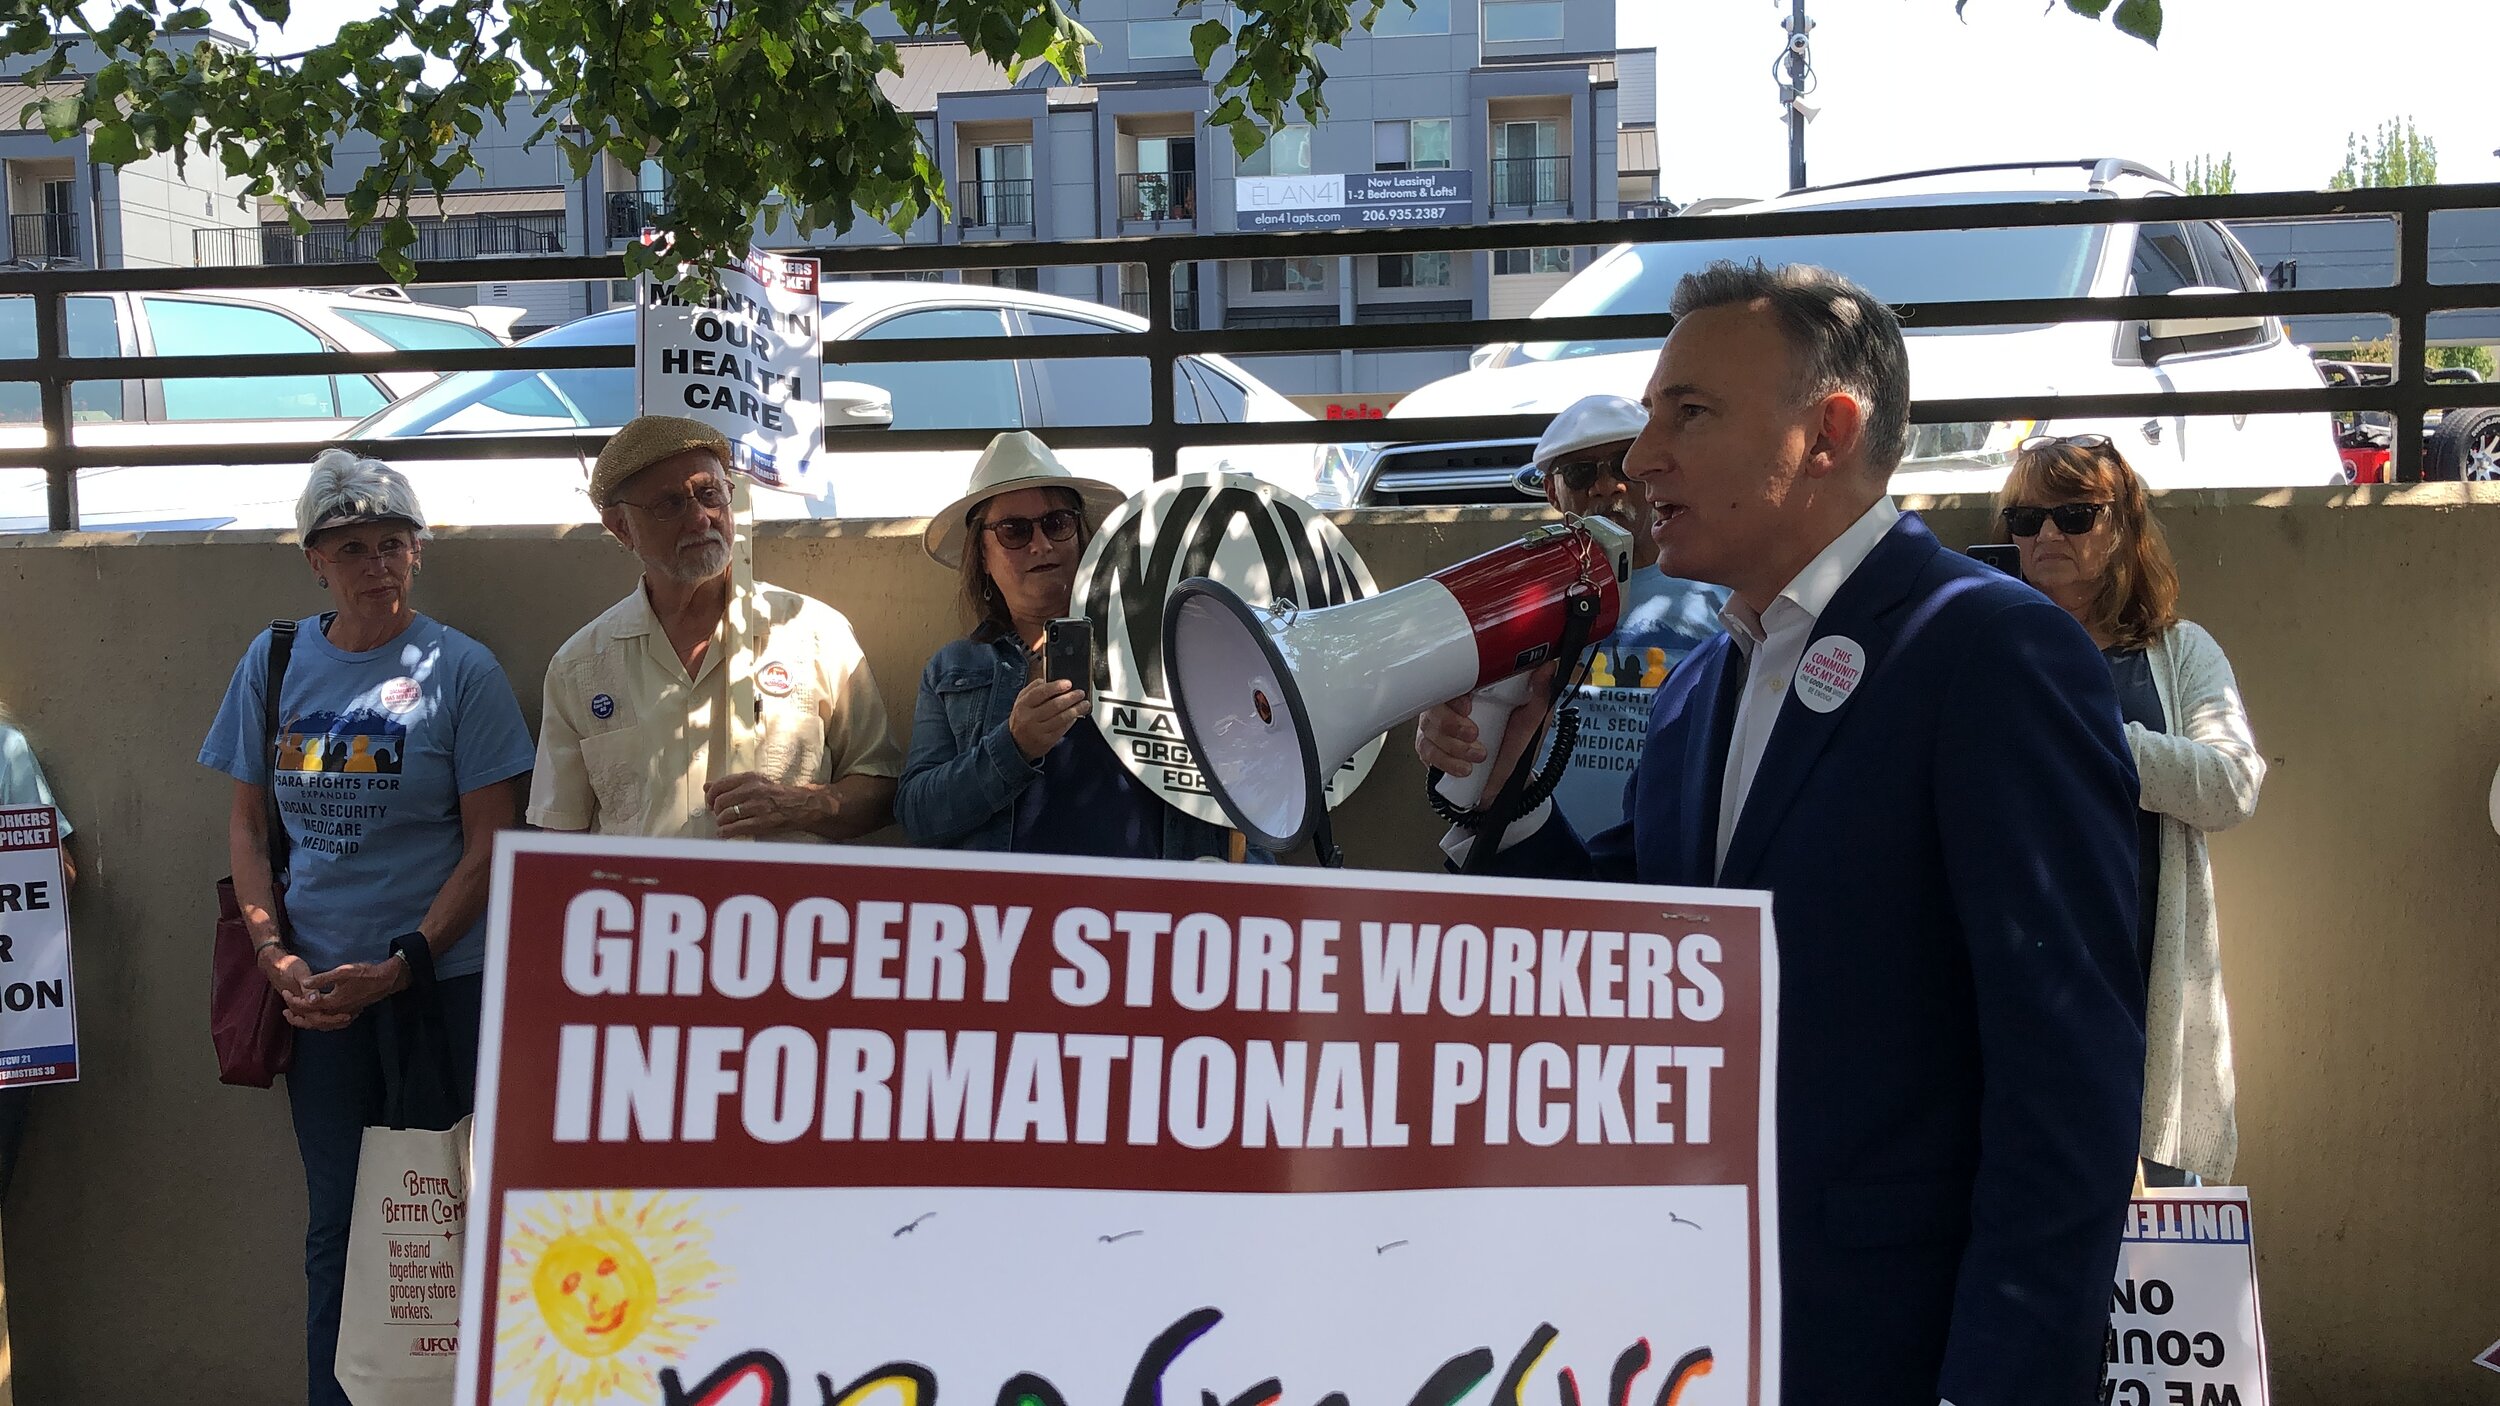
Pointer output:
700, 704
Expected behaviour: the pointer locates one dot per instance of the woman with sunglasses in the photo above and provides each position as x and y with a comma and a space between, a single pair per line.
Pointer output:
2087, 541
1002, 758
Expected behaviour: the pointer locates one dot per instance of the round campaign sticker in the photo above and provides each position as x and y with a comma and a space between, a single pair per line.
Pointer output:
1830, 672
602, 706
402, 695
774, 679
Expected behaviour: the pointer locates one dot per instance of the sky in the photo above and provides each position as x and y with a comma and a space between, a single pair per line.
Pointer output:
2277, 84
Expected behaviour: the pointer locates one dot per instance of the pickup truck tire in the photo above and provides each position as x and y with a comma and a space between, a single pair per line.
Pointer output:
2465, 447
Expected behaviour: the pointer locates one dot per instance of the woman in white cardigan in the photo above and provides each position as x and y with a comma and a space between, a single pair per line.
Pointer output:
2088, 542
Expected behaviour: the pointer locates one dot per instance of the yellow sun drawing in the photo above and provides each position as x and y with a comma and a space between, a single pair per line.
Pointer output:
594, 1293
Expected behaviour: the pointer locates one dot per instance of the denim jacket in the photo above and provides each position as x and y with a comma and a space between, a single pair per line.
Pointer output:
964, 771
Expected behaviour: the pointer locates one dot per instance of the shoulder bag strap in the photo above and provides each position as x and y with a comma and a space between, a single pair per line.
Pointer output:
281, 647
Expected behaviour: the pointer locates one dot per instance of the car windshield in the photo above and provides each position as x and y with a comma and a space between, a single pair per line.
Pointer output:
1924, 266
522, 402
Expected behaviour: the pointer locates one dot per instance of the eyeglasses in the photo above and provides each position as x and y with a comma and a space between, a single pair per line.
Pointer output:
1583, 475
393, 549
712, 496
1016, 533
2070, 441
2073, 519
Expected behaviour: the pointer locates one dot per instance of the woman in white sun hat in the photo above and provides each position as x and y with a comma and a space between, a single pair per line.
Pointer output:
1001, 758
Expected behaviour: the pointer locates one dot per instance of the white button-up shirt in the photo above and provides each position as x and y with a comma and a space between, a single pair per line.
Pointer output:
1773, 642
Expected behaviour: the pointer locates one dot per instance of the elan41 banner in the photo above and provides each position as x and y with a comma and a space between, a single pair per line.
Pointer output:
852, 1127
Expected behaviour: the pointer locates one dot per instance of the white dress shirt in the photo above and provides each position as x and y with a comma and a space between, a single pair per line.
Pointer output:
1771, 645
1773, 642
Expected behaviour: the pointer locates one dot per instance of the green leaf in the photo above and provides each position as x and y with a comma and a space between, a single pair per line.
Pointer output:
2141, 18
2089, 9
776, 52
112, 144
1205, 38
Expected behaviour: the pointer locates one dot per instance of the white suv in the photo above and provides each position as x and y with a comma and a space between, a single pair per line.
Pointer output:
210, 410
2187, 353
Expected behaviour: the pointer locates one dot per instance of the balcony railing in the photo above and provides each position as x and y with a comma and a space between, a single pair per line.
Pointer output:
992, 204
630, 212
1532, 185
45, 238
1184, 306
1159, 195
464, 237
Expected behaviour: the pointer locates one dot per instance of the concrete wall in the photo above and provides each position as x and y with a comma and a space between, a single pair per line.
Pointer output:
2363, 974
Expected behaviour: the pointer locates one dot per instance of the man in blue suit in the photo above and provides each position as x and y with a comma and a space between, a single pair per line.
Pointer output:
1921, 760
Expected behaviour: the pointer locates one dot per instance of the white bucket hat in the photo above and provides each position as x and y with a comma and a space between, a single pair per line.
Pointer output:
1016, 459
1584, 424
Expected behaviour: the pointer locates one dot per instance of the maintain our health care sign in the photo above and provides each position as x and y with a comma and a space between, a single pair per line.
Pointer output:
748, 361
765, 1125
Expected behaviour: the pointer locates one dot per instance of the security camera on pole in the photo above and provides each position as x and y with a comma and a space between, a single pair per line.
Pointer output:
1794, 68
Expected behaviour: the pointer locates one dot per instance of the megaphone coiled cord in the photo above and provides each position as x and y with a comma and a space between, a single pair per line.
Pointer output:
1548, 776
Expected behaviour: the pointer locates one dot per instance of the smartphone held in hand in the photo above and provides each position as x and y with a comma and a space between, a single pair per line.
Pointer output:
1068, 651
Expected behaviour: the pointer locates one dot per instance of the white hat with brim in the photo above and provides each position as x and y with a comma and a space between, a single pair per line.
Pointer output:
1014, 460
1585, 424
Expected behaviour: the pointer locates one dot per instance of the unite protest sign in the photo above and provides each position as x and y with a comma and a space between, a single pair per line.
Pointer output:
2184, 1325
748, 361
38, 1006
849, 1127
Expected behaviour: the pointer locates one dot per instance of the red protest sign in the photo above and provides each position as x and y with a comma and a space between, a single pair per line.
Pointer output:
1063, 1123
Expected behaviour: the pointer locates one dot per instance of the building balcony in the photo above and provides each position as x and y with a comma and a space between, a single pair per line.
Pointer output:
1531, 187
630, 212
994, 204
1184, 307
45, 239
1159, 197
465, 237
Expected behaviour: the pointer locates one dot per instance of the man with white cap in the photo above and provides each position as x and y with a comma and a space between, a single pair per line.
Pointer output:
704, 704
1578, 466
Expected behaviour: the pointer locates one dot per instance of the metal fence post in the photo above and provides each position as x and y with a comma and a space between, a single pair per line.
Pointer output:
60, 473
2412, 373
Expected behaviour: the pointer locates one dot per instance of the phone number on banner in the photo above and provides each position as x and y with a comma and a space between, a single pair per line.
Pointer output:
1405, 214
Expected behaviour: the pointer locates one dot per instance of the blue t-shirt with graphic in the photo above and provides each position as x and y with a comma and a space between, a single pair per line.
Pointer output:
374, 751
1663, 620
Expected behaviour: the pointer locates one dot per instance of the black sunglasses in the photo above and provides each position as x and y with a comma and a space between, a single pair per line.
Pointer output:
1016, 533
1582, 475
2073, 519
2071, 441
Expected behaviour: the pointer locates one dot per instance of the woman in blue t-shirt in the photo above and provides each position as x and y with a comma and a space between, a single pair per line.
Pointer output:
1001, 759
396, 744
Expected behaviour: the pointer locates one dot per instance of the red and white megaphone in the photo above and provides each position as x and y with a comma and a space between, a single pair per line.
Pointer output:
1273, 700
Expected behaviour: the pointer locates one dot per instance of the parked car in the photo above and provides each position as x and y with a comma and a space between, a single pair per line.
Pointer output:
212, 409
2462, 444
2186, 353
862, 401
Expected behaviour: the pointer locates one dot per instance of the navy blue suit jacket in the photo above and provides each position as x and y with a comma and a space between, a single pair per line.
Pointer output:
1951, 855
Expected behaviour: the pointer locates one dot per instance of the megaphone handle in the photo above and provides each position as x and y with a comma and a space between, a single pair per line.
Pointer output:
1494, 703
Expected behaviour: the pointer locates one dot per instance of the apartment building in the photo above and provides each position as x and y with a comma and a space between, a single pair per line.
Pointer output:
66, 210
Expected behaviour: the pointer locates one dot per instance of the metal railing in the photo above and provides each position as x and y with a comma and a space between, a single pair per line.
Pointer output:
45, 238
994, 204
2409, 302
1184, 307
1158, 196
1535, 185
630, 212
461, 237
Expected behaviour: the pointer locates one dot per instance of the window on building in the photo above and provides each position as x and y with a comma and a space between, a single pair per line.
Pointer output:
1288, 275
1507, 261
1529, 168
185, 328
1161, 39
1415, 270
944, 395
1165, 184
1028, 279
1522, 21
1287, 153
1418, 144
1411, 17
1002, 182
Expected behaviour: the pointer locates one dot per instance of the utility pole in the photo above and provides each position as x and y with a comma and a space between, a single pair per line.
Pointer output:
1796, 67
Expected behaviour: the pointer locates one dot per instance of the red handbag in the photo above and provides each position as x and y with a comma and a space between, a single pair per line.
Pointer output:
246, 1020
